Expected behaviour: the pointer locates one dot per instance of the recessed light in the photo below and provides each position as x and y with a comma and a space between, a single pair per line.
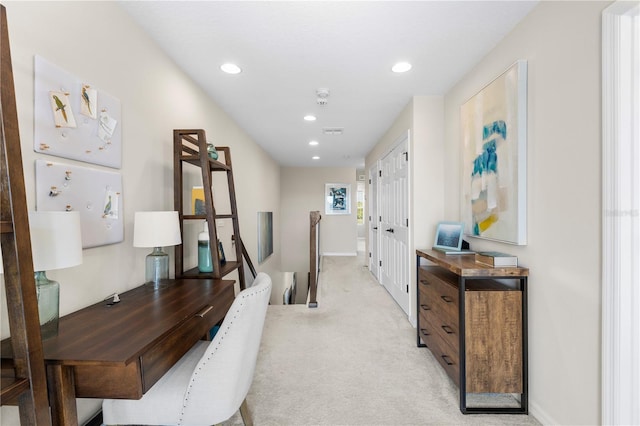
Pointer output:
230, 68
401, 67
315, 157
313, 143
310, 118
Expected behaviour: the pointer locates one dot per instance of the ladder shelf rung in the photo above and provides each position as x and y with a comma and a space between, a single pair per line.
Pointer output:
213, 164
225, 269
204, 217
12, 388
6, 227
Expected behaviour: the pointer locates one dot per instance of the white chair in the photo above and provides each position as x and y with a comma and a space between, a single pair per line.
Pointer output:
210, 382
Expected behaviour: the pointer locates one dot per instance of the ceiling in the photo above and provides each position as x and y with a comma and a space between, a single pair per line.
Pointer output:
289, 49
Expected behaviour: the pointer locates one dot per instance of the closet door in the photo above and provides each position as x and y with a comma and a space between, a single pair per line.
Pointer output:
394, 224
374, 219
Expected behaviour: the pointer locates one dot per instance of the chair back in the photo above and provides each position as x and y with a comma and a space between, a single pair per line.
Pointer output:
222, 378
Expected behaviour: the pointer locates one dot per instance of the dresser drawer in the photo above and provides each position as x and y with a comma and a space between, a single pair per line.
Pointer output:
447, 357
441, 325
438, 295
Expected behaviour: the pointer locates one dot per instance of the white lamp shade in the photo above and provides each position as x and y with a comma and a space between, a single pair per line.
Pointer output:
56, 240
156, 229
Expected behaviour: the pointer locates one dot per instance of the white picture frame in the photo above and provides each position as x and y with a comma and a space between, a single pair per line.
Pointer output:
337, 198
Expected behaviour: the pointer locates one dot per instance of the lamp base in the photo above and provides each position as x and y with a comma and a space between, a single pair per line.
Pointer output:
48, 292
156, 267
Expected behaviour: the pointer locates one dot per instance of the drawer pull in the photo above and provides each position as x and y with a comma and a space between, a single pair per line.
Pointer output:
447, 329
425, 332
447, 299
204, 312
446, 359
425, 307
424, 282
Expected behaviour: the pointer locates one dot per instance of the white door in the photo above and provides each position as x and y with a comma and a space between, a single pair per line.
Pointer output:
394, 224
374, 242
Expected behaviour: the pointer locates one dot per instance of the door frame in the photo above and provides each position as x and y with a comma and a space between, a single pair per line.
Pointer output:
404, 135
620, 329
374, 199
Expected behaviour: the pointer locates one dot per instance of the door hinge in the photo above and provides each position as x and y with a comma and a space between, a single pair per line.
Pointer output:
380, 173
406, 156
380, 262
407, 222
369, 181
380, 218
407, 288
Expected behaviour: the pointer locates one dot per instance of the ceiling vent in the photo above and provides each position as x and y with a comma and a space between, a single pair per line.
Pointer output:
333, 130
321, 96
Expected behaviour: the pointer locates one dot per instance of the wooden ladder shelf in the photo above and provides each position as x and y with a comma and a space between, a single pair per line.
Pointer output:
190, 146
27, 383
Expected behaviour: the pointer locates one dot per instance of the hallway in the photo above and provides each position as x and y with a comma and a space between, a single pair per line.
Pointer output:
351, 361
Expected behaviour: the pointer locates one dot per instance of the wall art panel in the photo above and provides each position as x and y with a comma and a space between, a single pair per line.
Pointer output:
96, 194
74, 119
494, 137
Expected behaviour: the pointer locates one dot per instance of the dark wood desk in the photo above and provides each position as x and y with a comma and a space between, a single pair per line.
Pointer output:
120, 351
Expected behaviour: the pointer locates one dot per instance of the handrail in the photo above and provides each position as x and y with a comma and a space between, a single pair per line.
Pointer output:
314, 257
245, 255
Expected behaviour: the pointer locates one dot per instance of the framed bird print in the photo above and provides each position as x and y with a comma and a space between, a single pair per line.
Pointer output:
62, 112
74, 119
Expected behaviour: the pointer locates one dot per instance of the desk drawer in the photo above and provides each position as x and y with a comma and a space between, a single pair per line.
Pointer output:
99, 381
162, 356
136, 378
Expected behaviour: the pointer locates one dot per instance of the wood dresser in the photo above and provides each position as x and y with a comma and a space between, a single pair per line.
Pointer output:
473, 318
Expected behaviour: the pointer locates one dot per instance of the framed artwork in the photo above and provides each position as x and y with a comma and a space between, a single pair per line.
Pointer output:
337, 198
494, 163
265, 235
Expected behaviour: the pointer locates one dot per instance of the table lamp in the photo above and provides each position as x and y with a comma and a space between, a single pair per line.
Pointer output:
56, 243
157, 230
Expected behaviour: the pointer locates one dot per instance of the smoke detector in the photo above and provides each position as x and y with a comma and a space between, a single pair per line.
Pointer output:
321, 96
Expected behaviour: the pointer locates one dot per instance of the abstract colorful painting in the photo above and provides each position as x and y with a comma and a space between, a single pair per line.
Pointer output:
494, 135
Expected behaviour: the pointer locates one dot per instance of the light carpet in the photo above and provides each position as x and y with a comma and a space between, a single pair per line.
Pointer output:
352, 361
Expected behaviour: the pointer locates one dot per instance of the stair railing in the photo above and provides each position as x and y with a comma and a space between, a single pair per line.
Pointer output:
314, 257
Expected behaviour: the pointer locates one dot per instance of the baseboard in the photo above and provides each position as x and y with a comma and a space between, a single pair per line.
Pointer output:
539, 414
353, 253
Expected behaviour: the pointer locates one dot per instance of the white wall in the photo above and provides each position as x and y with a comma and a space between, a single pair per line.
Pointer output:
561, 42
98, 42
423, 118
302, 191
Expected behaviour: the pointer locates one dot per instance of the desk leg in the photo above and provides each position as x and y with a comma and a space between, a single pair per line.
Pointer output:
62, 395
